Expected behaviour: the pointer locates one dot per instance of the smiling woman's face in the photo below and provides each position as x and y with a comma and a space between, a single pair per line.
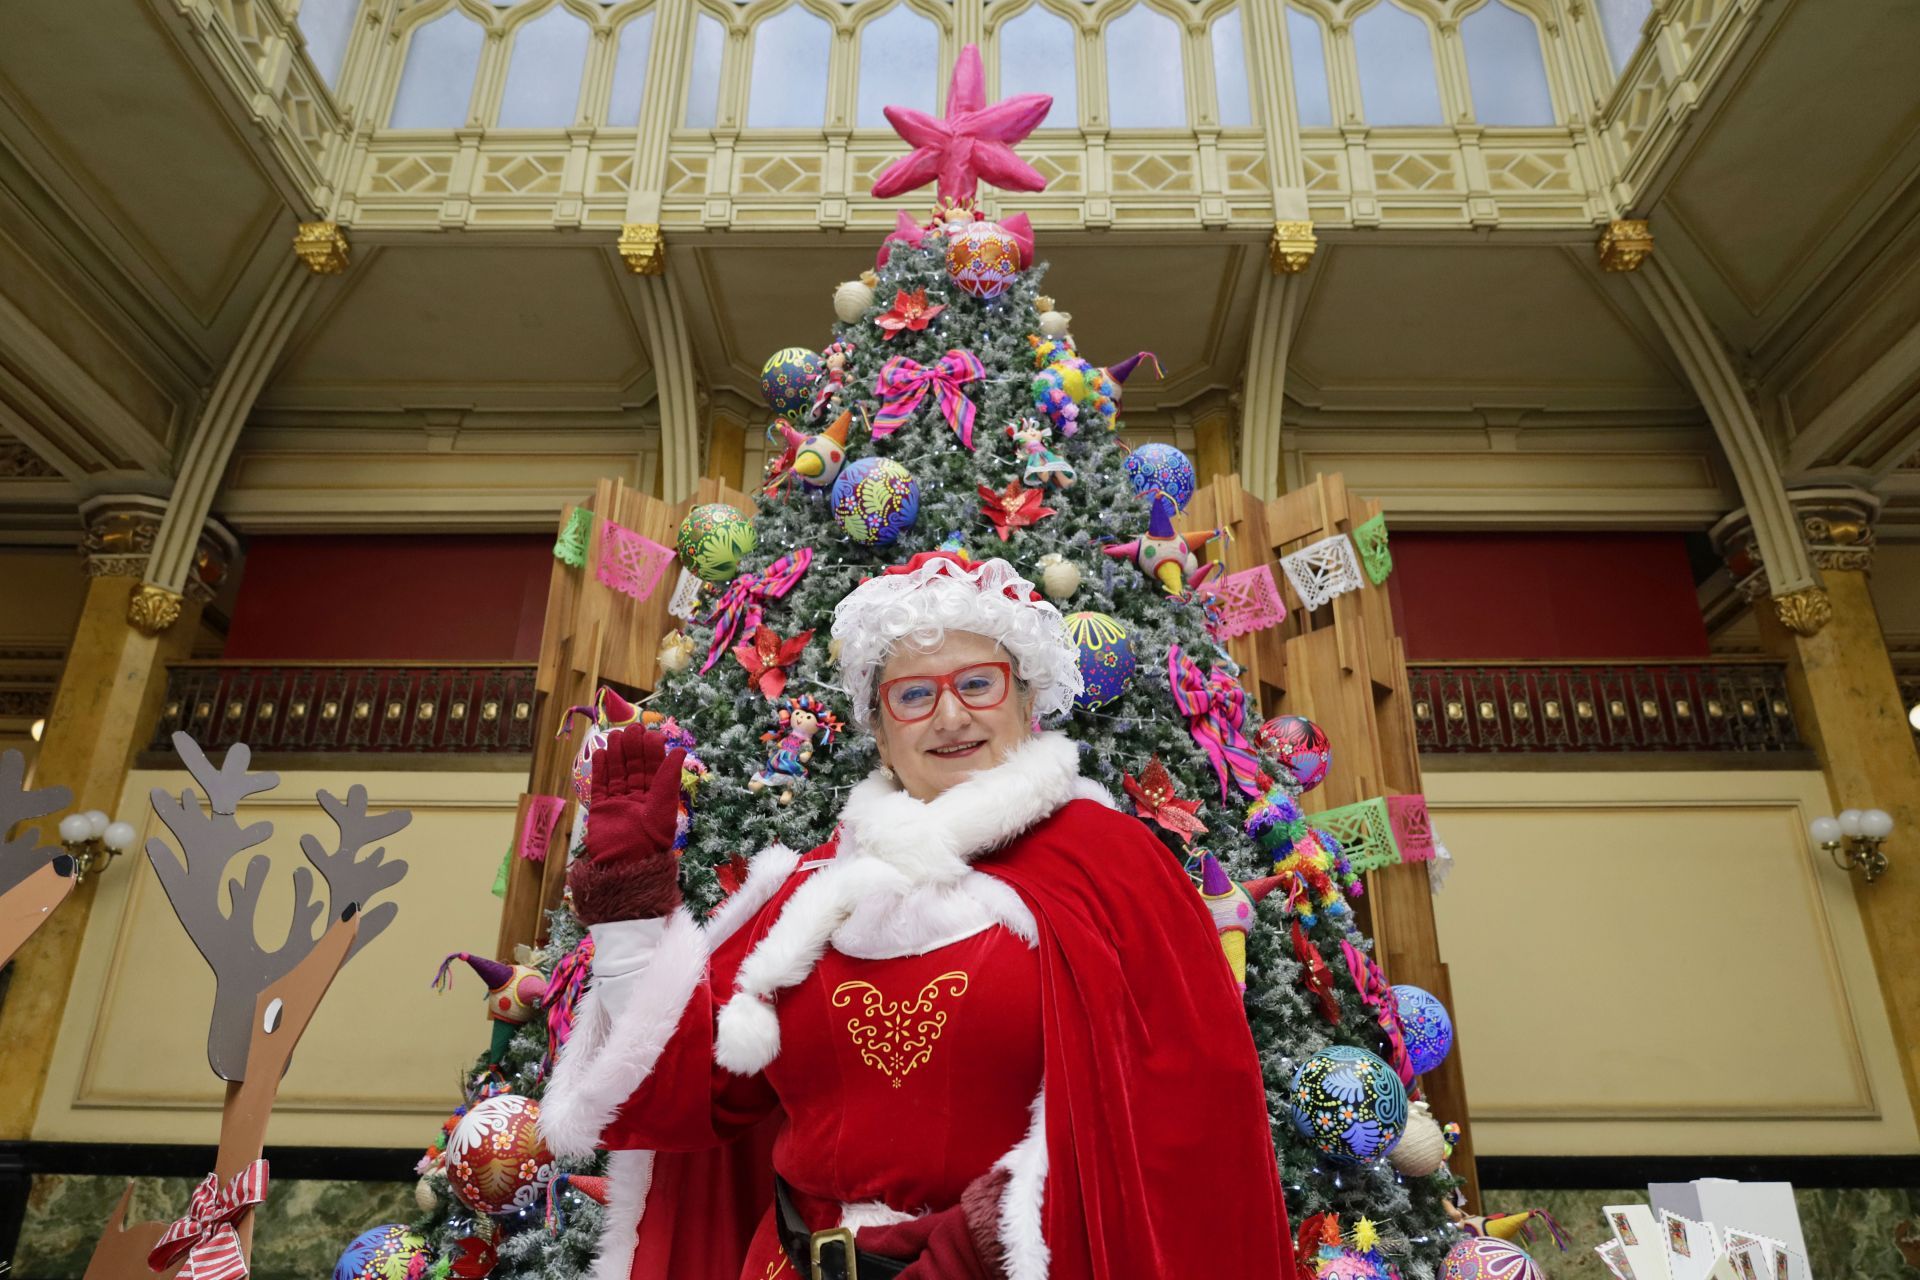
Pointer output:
954, 741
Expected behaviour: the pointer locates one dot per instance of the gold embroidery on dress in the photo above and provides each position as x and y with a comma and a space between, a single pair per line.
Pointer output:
774, 1268
897, 1035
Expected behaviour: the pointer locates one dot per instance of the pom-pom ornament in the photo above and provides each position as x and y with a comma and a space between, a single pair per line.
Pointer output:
383, 1253
1161, 468
1489, 1258
876, 500
1425, 1026
786, 379
1349, 1104
1171, 558
712, 540
1298, 746
1339, 1262
1059, 576
852, 300
1423, 1148
1106, 656
983, 258
496, 1160
1076, 394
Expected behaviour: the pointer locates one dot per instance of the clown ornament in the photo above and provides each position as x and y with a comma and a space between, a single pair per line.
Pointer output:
1040, 464
1231, 906
515, 992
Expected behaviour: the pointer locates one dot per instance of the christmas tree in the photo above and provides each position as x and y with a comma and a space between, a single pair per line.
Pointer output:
951, 411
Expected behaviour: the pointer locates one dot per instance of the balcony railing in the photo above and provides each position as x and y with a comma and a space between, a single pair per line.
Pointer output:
1581, 707
425, 710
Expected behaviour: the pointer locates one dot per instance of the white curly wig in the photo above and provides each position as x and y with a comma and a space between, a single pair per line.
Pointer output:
934, 593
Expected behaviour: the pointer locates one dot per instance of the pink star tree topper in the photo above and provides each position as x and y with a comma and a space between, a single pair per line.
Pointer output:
973, 142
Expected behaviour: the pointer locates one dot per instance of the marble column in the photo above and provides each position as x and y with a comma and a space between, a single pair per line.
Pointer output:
1848, 705
105, 706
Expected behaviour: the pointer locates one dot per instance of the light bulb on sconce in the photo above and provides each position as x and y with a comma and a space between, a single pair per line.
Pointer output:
1854, 838
93, 840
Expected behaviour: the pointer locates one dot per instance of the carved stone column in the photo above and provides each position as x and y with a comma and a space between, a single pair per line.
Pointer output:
104, 708
1848, 705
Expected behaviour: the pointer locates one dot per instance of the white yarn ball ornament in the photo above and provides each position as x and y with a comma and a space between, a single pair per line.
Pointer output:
851, 300
1059, 577
424, 1196
1053, 324
1422, 1149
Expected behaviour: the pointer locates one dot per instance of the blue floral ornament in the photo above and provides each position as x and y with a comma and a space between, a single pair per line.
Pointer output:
1425, 1026
1349, 1104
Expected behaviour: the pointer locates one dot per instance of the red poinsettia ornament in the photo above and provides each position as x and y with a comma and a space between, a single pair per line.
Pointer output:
1315, 973
1013, 508
766, 657
909, 311
1155, 799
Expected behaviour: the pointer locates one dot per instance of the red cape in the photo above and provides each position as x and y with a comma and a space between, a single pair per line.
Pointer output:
1160, 1160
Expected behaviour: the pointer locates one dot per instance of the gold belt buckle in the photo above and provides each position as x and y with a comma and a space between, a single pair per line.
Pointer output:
843, 1236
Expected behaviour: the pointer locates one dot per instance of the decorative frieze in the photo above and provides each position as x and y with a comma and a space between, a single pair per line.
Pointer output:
643, 248
1625, 244
322, 246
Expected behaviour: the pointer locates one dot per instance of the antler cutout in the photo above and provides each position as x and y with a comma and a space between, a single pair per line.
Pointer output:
34, 878
210, 839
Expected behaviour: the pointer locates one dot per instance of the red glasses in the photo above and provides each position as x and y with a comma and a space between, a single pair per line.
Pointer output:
981, 686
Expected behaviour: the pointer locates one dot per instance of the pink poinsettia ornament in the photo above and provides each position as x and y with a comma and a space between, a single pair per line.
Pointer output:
910, 312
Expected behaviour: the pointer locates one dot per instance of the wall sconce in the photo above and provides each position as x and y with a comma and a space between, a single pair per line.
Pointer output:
1863, 831
94, 840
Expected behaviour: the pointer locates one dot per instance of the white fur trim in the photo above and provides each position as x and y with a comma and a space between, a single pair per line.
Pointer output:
889, 844
614, 1049
930, 916
629, 1179
1022, 1231
1088, 789
871, 1213
766, 872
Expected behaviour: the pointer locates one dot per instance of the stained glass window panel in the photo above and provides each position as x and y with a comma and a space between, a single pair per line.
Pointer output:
788, 88
899, 65
1398, 82
1146, 74
1036, 56
1232, 94
543, 73
703, 80
1307, 50
1505, 67
327, 26
1621, 22
436, 81
630, 71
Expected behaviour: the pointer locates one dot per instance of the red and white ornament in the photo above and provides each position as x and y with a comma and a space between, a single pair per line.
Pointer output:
982, 258
496, 1160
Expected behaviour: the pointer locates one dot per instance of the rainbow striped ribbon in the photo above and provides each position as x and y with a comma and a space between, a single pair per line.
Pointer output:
904, 383
1215, 707
740, 608
207, 1235
1386, 1009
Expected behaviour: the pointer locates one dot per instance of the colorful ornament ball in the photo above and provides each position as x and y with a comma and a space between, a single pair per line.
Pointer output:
712, 540
496, 1160
876, 500
1349, 1104
1489, 1258
1106, 656
983, 258
787, 378
1161, 467
1425, 1026
1343, 1263
382, 1253
1297, 745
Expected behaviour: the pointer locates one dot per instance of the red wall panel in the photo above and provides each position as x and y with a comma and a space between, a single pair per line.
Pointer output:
1485, 596
425, 598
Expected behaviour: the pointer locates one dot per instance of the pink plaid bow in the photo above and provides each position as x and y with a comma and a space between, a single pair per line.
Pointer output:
1386, 1010
565, 989
904, 383
207, 1235
1215, 707
740, 608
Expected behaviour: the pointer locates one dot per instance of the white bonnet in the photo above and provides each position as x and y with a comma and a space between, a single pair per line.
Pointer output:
917, 603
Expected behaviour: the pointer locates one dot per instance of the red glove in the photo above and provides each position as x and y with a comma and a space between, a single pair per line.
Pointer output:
961, 1243
629, 871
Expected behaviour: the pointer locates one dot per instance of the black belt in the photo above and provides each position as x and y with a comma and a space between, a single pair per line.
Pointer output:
829, 1254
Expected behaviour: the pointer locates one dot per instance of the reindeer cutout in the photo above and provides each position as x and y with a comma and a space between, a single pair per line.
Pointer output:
34, 879
263, 999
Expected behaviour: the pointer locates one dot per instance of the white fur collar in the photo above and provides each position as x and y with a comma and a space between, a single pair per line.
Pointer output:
892, 849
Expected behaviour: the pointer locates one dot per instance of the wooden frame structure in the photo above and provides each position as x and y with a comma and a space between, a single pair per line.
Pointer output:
1341, 666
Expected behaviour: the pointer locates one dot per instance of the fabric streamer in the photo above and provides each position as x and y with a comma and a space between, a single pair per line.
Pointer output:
904, 383
1379, 997
1216, 709
206, 1235
565, 989
542, 813
740, 608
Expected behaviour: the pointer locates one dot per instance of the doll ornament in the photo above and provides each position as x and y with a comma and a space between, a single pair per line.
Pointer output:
1039, 463
801, 719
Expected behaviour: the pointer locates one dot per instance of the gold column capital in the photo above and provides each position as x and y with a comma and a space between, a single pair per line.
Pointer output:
118, 531
1625, 244
643, 248
1805, 611
1292, 247
153, 609
322, 246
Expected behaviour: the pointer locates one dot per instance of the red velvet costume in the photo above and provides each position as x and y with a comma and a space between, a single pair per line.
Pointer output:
1006, 976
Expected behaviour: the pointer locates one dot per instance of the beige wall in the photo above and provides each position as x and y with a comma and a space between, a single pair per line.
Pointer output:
380, 1064
41, 591
1653, 963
